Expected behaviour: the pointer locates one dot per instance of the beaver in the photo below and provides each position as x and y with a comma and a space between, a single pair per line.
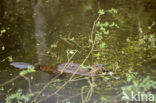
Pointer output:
70, 68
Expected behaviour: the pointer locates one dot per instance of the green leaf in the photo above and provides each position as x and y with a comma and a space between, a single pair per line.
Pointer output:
106, 32
98, 24
153, 23
10, 59
3, 31
103, 45
3, 48
113, 11
106, 24
29, 70
53, 46
101, 12
103, 99
72, 39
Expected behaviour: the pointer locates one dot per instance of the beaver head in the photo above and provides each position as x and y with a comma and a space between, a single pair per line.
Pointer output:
96, 69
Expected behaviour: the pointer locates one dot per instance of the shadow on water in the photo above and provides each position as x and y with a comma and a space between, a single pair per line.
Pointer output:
38, 30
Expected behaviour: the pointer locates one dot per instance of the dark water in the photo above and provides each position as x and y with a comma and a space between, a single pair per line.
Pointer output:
32, 26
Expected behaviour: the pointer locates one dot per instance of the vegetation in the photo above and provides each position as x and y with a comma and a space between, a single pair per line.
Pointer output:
115, 38
19, 97
139, 88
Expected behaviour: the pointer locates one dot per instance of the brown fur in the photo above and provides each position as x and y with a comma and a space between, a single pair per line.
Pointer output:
70, 68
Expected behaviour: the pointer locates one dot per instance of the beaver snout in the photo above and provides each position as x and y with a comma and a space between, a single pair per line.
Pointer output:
101, 67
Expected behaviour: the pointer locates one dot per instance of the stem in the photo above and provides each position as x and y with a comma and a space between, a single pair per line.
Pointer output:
52, 80
9, 81
92, 48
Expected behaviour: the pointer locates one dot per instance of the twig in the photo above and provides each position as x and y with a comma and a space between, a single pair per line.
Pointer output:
90, 92
73, 96
9, 81
66, 41
67, 64
92, 48
29, 83
52, 80
75, 43
68, 80
93, 29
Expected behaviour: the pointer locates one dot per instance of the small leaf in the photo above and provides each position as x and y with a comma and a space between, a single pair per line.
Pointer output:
10, 59
98, 24
106, 24
71, 52
53, 46
3, 48
72, 39
153, 23
113, 11
101, 12
103, 45
3, 31
103, 99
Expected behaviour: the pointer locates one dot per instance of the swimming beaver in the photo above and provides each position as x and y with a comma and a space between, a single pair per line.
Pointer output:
71, 68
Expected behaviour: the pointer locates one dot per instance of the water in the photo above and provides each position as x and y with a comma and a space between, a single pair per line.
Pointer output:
32, 27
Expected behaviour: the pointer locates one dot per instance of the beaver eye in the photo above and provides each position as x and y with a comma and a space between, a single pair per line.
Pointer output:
89, 69
38, 66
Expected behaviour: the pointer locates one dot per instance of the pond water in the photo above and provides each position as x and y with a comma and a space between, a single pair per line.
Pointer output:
42, 31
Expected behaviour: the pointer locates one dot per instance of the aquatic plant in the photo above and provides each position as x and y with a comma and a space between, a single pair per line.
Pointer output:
2, 32
99, 49
19, 97
138, 89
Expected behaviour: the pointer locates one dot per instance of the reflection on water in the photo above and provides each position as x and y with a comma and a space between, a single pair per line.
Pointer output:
33, 26
40, 32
